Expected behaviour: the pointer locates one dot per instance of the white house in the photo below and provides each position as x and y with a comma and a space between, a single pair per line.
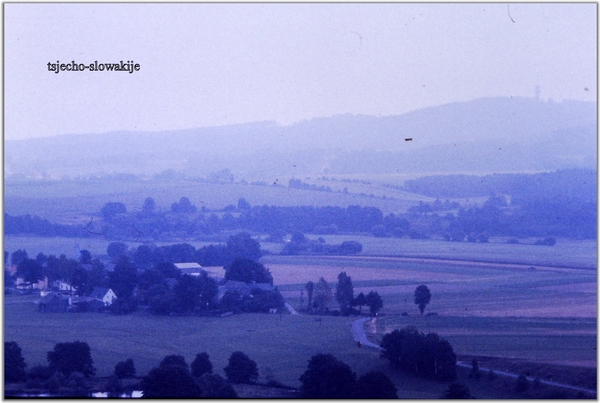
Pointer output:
106, 295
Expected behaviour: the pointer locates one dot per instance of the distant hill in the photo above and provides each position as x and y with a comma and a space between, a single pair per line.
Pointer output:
488, 134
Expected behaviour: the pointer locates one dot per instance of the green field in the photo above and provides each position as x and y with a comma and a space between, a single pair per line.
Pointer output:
283, 343
70, 201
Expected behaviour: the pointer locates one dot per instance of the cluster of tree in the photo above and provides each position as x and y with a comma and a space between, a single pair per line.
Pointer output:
300, 245
183, 221
190, 294
298, 184
152, 224
436, 206
144, 256
575, 183
305, 218
69, 364
562, 203
564, 218
173, 378
329, 378
83, 274
160, 285
26, 224
257, 299
320, 295
426, 355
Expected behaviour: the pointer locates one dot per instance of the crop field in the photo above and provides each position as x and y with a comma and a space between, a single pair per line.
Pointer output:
458, 290
566, 253
509, 311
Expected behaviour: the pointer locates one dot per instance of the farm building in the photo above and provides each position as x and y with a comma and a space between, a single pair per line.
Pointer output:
105, 295
40, 285
193, 269
242, 288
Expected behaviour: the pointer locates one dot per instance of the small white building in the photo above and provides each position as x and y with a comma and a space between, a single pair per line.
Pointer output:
193, 269
105, 295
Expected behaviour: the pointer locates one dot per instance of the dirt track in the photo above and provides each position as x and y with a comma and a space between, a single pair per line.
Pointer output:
452, 262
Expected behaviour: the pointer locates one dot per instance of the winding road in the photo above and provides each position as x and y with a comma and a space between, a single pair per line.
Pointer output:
358, 330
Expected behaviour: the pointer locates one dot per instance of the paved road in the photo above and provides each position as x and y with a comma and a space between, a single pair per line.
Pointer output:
359, 335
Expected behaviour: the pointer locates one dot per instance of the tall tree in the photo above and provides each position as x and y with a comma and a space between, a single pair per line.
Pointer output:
360, 301
115, 250
125, 369
14, 363
243, 204
243, 246
214, 386
241, 369
327, 378
123, 278
201, 365
187, 293
67, 358
111, 209
184, 206
248, 271
310, 288
31, 271
344, 293
374, 302
323, 295
172, 381
18, 256
149, 205
425, 355
422, 297
375, 385
85, 257
173, 360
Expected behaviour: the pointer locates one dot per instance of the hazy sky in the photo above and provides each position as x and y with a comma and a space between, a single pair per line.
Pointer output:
215, 64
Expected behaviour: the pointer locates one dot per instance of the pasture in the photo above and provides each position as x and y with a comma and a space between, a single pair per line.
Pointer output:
280, 344
77, 201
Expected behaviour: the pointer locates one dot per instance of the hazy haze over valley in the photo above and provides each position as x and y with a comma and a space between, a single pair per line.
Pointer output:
269, 184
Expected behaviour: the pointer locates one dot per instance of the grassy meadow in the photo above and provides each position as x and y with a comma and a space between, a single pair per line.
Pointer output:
77, 201
282, 343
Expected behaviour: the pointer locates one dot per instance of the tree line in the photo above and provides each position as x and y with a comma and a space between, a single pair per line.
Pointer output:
70, 365
320, 295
